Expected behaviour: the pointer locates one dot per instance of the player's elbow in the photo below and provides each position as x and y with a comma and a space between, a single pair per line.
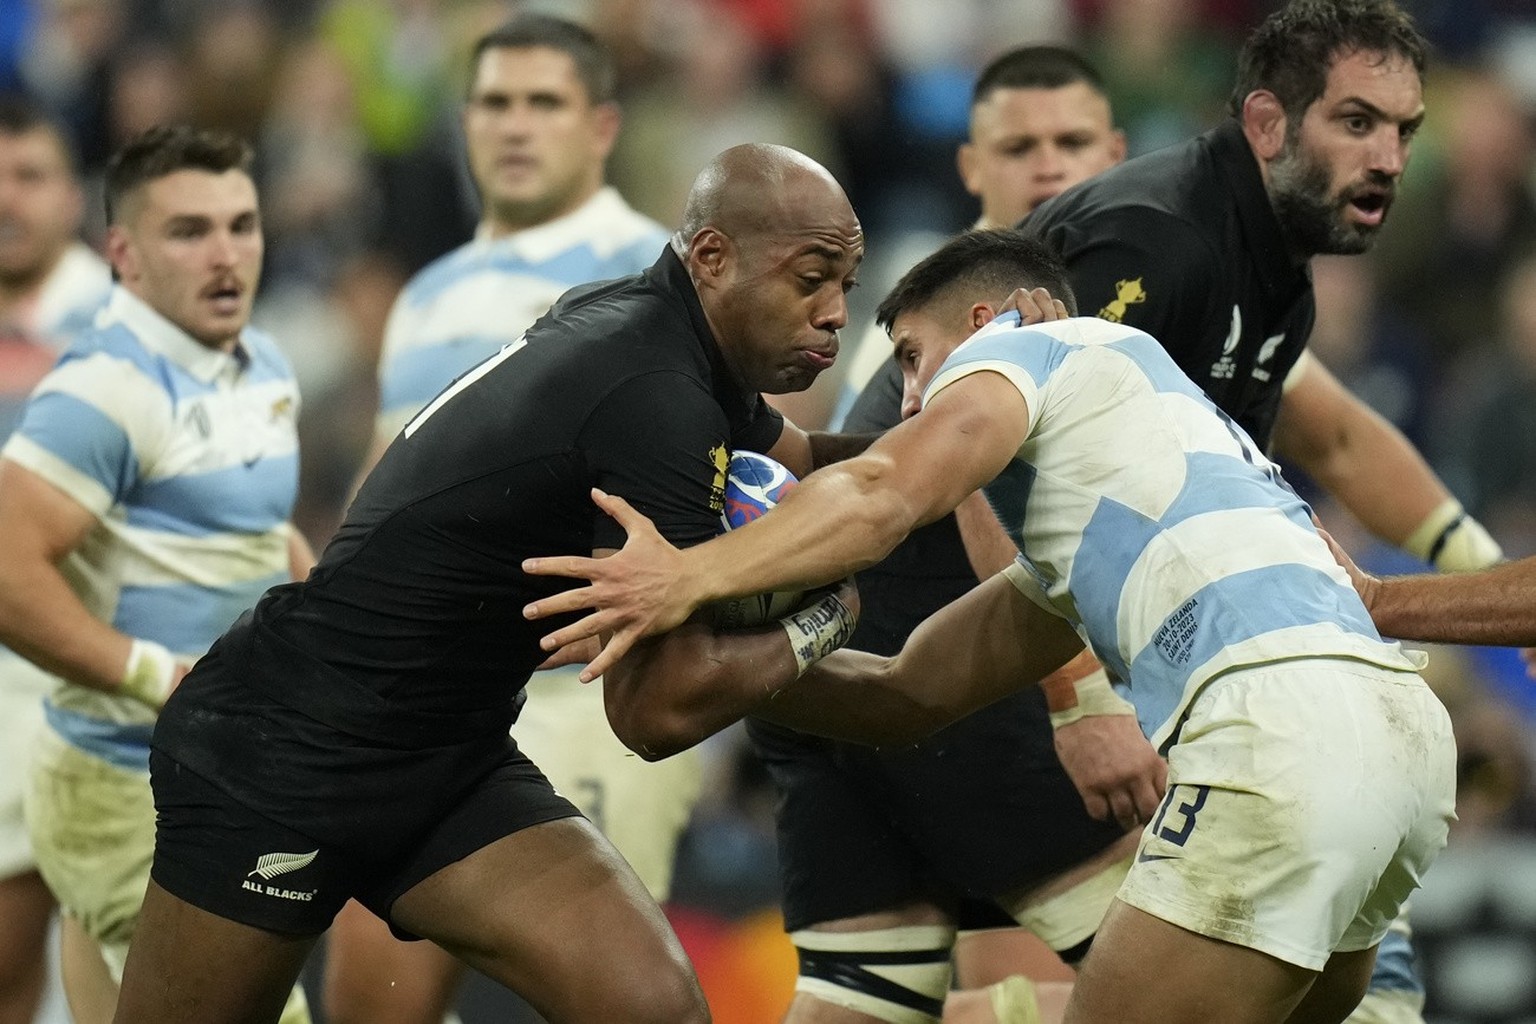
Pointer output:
656, 720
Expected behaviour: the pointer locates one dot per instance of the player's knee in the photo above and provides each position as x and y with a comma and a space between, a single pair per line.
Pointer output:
671, 997
892, 974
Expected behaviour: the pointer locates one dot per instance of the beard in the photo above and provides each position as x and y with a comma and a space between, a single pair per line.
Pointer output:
1310, 215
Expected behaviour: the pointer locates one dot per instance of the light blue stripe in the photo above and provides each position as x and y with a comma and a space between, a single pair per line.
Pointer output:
1396, 970
1220, 483
414, 377
1035, 352
578, 265
1231, 611
83, 436
187, 617
126, 746
118, 342
1116, 535
1158, 366
268, 361
237, 499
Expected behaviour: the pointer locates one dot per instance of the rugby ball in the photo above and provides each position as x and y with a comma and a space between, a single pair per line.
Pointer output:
754, 483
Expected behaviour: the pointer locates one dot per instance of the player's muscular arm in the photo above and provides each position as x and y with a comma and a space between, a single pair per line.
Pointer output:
984, 646
41, 618
915, 473
987, 545
1356, 455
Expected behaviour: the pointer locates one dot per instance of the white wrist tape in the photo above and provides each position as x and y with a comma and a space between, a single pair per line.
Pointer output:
150, 673
1095, 696
1453, 541
817, 630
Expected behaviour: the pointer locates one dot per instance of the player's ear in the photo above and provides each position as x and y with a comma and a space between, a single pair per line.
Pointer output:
120, 254
605, 124
709, 253
982, 314
965, 163
1264, 124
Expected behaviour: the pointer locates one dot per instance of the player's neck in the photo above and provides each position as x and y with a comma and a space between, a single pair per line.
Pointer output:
501, 223
21, 289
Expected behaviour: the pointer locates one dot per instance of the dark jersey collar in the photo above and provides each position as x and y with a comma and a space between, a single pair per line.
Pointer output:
668, 271
1261, 229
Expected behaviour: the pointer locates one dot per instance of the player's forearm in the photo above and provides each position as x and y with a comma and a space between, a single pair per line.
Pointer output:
683, 687
852, 696
987, 545
1497, 606
43, 620
836, 522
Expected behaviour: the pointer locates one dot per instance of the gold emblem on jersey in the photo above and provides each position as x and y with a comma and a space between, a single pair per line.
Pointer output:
1127, 293
282, 409
721, 457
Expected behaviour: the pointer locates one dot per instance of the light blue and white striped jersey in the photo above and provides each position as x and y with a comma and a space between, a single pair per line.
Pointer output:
464, 307
188, 457
1151, 521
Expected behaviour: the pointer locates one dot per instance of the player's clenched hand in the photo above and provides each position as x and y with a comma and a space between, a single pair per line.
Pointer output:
637, 592
1116, 771
1035, 305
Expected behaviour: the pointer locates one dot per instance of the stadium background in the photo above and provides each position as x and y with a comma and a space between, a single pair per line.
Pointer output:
352, 107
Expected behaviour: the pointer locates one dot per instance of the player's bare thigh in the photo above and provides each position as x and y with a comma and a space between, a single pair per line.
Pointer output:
554, 913
371, 977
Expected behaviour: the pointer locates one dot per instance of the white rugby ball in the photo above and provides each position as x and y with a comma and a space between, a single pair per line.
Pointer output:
754, 484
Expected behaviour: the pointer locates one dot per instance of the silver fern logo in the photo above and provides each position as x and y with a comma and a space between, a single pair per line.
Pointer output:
270, 865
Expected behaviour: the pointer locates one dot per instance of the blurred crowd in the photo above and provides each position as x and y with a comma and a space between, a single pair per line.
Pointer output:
353, 108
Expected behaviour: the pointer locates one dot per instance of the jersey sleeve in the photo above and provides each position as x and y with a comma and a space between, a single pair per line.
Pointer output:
761, 428
1145, 269
92, 429
660, 442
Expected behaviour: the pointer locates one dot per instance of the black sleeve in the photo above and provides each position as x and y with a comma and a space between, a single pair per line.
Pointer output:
761, 430
1148, 270
878, 406
659, 441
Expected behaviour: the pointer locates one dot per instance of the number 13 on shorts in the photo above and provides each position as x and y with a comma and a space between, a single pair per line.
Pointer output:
1175, 820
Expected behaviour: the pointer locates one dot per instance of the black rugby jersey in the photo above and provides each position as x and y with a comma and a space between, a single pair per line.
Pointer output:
411, 624
1183, 244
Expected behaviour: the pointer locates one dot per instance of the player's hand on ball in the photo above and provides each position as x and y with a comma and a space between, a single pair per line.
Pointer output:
1035, 305
637, 592
1116, 771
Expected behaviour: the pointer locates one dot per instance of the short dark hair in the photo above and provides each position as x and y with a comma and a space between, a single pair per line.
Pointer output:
166, 149
593, 63
1292, 50
1036, 67
19, 115
988, 265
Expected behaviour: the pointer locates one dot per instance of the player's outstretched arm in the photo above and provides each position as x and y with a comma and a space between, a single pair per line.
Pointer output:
1495, 606
839, 520
989, 643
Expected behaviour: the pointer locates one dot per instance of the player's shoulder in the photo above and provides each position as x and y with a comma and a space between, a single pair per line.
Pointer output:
1170, 193
432, 279
268, 359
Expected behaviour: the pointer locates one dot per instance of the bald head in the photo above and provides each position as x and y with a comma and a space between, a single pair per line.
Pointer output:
772, 246
758, 189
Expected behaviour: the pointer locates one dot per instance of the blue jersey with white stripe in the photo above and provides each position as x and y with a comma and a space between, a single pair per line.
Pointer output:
464, 307
188, 458
1147, 518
